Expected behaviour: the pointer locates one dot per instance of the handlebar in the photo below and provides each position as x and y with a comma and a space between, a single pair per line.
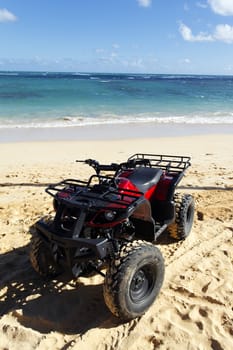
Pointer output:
100, 167
132, 163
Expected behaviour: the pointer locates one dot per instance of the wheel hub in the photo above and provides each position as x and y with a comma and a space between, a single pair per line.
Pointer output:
138, 280
139, 286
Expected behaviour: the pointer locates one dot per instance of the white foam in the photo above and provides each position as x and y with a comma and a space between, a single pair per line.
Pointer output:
113, 119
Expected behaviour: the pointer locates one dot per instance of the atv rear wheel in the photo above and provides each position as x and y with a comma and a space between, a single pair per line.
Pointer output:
133, 280
184, 206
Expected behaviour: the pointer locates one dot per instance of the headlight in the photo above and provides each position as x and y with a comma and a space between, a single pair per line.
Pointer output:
110, 215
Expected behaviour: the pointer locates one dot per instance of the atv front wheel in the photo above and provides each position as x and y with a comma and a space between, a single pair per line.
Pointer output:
40, 255
184, 207
41, 258
133, 280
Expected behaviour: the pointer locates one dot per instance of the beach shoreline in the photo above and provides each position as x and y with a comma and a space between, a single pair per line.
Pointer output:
111, 131
194, 307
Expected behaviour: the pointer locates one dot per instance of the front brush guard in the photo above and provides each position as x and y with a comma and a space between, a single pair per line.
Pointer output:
99, 248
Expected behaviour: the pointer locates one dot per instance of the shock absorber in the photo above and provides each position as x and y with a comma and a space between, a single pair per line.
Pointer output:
114, 246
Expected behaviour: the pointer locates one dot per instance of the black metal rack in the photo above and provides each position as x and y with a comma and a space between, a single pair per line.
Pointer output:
169, 163
85, 193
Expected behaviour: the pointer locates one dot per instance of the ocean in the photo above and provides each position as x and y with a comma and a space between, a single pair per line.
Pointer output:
46, 99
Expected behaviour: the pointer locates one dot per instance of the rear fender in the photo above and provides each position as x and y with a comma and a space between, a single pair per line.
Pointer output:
143, 221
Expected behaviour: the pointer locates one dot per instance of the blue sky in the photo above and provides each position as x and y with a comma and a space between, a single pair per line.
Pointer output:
137, 36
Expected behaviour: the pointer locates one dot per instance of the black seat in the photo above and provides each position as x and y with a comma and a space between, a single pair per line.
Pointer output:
144, 178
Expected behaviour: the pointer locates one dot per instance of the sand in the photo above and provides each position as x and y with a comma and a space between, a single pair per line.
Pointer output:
194, 309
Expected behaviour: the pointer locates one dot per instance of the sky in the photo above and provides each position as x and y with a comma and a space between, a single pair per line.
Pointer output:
118, 36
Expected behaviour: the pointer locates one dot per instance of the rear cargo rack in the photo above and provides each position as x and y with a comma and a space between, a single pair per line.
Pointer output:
169, 163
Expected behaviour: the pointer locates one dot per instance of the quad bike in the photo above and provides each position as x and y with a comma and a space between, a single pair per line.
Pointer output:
111, 222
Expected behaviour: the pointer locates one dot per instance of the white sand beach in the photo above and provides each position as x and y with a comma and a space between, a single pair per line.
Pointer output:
194, 309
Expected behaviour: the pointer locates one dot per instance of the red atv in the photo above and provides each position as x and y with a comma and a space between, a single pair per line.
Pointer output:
112, 222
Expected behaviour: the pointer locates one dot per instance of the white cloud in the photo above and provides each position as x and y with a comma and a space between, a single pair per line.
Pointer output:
137, 63
201, 5
187, 34
116, 46
144, 3
186, 7
224, 32
184, 62
99, 50
229, 69
222, 7
6, 16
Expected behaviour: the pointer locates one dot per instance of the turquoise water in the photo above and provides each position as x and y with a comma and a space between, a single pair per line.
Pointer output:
30, 99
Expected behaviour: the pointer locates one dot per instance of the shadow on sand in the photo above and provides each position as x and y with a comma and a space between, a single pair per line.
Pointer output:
46, 184
62, 305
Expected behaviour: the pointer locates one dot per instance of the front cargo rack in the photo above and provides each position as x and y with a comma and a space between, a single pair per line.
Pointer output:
91, 195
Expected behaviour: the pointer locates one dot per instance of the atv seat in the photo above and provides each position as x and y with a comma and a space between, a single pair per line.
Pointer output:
144, 178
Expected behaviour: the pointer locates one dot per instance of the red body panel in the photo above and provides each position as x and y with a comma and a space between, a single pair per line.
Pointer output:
158, 191
126, 184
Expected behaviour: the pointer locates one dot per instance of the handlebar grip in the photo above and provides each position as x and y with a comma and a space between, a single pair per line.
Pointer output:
112, 166
91, 162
